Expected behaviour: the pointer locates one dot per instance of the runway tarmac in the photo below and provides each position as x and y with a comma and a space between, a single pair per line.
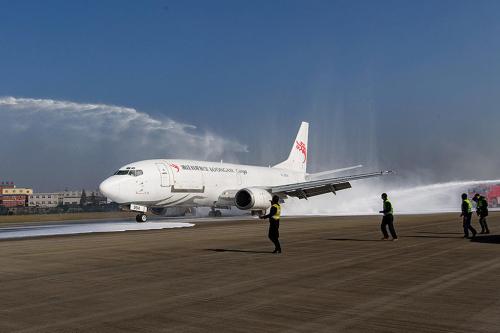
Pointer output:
335, 275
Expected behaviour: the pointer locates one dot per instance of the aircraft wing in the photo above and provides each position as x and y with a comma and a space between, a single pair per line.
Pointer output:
311, 188
325, 174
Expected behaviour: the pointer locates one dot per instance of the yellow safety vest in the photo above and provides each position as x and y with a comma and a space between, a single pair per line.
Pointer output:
278, 212
391, 212
482, 203
469, 205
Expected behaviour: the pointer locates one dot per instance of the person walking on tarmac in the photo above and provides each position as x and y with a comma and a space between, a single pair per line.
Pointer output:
388, 219
482, 212
467, 215
274, 223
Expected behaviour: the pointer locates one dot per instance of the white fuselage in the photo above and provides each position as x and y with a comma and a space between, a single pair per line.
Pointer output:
188, 183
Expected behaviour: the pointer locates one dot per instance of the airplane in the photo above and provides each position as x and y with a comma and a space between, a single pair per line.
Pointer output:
161, 183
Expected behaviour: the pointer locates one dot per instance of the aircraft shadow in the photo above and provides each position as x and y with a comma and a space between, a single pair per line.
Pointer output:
354, 239
491, 239
235, 250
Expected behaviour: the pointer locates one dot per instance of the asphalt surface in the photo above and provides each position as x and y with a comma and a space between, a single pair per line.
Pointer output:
335, 275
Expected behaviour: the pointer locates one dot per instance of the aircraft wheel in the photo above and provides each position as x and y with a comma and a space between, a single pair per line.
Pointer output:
211, 213
141, 218
218, 213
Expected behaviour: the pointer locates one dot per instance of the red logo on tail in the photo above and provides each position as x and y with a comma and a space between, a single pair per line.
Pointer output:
301, 146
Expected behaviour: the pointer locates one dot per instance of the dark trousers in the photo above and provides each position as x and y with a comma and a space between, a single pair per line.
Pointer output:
467, 225
388, 220
274, 234
483, 224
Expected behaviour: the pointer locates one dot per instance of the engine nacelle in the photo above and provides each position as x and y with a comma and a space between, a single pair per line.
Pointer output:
253, 198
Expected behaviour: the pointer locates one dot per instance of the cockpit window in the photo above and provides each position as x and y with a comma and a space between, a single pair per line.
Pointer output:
129, 171
135, 173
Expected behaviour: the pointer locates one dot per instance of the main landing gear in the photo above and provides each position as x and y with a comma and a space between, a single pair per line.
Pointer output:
141, 217
214, 213
258, 212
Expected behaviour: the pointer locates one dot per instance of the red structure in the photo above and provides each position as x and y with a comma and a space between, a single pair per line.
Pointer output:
11, 200
4, 184
493, 196
490, 192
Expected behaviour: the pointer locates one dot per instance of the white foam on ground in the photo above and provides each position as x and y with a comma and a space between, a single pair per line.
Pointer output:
364, 199
85, 228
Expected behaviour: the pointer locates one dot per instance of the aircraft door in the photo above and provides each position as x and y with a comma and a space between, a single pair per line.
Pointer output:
164, 174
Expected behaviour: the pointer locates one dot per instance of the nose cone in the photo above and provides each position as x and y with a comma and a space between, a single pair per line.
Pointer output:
110, 188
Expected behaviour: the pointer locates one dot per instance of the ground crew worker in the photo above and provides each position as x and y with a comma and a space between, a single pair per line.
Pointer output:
274, 223
482, 212
388, 219
467, 214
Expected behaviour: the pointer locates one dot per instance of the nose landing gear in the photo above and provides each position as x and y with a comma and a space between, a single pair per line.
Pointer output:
141, 217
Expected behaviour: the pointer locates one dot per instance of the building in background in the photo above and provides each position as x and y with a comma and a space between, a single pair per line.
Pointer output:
12, 196
48, 199
22, 200
71, 197
95, 198
54, 199
66, 198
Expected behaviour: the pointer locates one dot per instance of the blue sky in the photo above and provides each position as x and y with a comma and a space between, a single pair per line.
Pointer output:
411, 85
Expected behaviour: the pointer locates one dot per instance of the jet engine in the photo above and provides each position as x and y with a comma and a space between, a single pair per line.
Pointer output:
253, 198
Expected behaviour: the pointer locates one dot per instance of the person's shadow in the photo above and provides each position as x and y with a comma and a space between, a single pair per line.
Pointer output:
353, 240
490, 239
235, 250
439, 233
426, 236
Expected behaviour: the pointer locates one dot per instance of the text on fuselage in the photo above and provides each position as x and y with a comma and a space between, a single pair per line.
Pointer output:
212, 169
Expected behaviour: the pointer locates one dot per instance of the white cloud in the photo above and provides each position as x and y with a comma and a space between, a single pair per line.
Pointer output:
59, 135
